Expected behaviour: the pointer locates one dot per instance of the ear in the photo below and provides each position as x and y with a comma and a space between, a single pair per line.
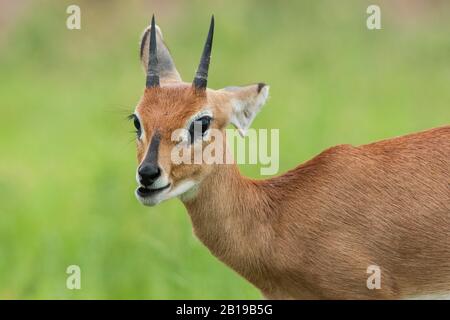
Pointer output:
167, 70
246, 102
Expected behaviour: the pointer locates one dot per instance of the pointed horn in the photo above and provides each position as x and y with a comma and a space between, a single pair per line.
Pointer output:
201, 76
152, 68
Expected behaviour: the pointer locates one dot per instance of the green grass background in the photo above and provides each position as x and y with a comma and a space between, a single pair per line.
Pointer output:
67, 158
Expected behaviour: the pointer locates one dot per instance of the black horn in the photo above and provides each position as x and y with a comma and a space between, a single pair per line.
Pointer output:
152, 68
201, 76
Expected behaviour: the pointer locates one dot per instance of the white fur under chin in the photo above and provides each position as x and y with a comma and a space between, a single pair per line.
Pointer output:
185, 190
190, 192
148, 201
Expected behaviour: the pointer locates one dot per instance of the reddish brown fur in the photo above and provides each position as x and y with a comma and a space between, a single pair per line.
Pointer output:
167, 109
312, 232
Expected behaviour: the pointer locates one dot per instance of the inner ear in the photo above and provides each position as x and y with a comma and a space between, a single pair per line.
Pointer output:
167, 70
246, 102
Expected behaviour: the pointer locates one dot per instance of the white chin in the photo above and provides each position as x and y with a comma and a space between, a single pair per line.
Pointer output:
149, 201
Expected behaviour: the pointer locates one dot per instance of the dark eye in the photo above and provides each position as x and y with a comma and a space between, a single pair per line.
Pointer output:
137, 124
199, 127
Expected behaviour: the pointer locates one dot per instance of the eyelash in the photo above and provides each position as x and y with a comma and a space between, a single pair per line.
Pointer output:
137, 124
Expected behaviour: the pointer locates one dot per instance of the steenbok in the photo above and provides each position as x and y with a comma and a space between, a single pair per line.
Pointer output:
313, 232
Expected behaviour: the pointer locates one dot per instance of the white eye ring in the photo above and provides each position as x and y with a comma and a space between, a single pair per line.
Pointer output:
204, 113
140, 125
197, 116
200, 129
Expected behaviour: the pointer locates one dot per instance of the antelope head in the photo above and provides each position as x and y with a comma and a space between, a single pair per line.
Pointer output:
175, 114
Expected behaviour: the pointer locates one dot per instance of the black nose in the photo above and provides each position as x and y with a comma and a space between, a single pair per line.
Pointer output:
148, 173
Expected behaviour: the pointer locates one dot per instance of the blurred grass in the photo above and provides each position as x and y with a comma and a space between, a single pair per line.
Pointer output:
67, 153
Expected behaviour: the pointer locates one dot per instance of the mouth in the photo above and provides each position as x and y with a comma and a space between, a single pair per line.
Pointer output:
144, 192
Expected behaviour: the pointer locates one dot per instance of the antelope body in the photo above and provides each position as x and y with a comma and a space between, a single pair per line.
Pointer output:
312, 232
